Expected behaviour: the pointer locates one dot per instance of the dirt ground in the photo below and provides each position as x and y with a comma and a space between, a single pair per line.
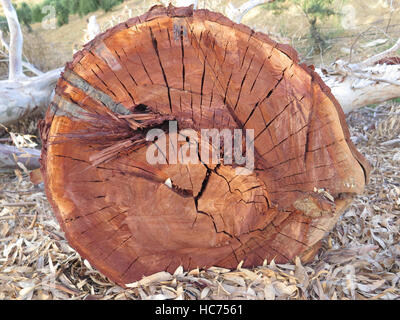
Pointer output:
360, 258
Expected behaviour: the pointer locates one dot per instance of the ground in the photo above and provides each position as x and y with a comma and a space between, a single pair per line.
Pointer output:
359, 259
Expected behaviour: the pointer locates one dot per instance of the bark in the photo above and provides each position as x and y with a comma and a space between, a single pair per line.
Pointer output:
130, 218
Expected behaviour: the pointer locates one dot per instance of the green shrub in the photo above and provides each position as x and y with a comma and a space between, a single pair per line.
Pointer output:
74, 6
4, 25
37, 15
107, 5
24, 13
315, 12
87, 6
62, 12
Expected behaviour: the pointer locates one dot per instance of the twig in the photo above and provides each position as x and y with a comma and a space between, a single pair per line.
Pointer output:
20, 204
237, 14
7, 218
391, 142
354, 43
391, 15
36, 190
363, 76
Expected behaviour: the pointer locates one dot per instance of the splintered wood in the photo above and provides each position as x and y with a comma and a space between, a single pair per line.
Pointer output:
130, 218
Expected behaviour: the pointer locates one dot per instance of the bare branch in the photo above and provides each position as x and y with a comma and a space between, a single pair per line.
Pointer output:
16, 41
26, 96
26, 65
11, 156
237, 14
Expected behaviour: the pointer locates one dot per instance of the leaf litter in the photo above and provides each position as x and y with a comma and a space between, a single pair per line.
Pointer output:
359, 259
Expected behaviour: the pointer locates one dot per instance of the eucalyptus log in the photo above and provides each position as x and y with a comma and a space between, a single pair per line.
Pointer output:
130, 218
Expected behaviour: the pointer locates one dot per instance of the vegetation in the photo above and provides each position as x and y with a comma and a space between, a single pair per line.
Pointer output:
3, 25
87, 6
107, 5
315, 12
37, 14
24, 13
62, 12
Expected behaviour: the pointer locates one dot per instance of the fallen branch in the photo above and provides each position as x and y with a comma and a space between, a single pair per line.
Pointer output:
26, 96
10, 157
371, 81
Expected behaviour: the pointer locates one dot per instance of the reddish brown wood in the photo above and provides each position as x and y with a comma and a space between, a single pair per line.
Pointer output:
204, 71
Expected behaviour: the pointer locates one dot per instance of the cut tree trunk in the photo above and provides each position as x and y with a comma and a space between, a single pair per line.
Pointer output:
130, 218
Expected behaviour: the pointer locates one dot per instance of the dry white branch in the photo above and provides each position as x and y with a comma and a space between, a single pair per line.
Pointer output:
16, 41
237, 14
371, 85
25, 96
360, 84
11, 156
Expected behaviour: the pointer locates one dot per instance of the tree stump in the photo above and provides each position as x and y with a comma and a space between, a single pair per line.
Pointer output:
130, 218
